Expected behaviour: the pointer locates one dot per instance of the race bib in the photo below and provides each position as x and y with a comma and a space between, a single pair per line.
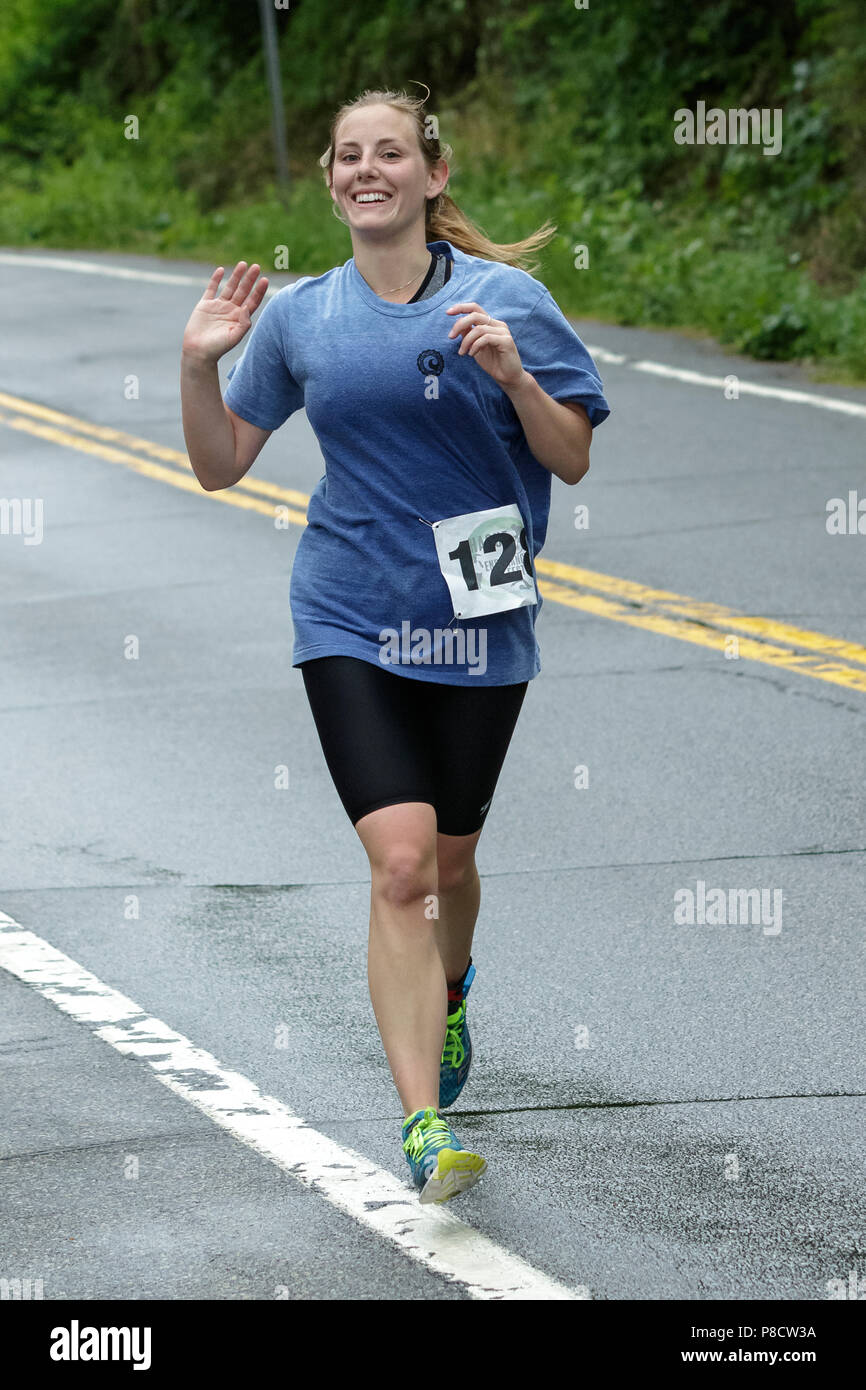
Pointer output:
484, 559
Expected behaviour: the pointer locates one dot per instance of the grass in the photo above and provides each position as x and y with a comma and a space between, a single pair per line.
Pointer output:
721, 269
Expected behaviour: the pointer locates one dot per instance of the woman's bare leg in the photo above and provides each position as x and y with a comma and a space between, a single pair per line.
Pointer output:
404, 968
459, 900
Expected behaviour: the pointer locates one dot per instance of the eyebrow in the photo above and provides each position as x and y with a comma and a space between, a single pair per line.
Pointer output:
385, 140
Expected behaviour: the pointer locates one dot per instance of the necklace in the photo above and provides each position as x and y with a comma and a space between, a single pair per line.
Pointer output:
396, 287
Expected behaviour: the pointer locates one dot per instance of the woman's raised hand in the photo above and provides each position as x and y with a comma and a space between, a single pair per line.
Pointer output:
219, 321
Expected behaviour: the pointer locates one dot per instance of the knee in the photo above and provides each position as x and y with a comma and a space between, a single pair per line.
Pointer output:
405, 875
456, 874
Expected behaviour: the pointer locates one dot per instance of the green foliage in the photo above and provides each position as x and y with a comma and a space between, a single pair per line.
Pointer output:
553, 111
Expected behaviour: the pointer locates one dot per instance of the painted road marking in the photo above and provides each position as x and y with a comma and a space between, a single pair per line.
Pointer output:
114, 272
372, 1196
186, 481
745, 388
781, 393
662, 611
782, 658
711, 614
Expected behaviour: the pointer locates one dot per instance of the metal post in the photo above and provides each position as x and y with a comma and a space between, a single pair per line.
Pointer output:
278, 119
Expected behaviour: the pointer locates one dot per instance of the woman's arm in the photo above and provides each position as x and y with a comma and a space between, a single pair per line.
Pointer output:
207, 430
558, 432
221, 446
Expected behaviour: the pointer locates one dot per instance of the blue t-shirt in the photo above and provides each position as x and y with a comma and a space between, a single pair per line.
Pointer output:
408, 430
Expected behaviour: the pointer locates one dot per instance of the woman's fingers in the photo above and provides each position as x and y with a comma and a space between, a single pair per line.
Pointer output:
467, 307
256, 295
232, 282
486, 340
240, 288
493, 331
213, 283
474, 314
246, 282
235, 287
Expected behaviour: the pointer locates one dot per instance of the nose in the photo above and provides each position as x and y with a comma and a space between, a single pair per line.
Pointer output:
366, 163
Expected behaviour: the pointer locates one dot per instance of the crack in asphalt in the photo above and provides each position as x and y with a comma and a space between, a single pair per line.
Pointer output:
206, 1136
710, 666
635, 1104
810, 851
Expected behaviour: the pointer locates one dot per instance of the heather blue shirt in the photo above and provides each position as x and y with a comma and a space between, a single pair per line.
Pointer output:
408, 429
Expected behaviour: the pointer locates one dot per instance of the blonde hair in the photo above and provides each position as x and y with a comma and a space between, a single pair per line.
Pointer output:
444, 221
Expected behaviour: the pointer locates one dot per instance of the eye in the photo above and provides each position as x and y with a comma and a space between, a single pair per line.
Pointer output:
350, 155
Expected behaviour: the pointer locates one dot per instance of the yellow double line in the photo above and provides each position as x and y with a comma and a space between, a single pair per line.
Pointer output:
602, 595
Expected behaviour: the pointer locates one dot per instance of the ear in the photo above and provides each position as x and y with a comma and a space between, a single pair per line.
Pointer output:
437, 179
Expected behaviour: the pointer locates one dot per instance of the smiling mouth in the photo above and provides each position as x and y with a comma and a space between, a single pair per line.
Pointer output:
365, 200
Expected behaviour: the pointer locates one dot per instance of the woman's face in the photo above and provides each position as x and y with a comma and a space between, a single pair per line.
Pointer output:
377, 153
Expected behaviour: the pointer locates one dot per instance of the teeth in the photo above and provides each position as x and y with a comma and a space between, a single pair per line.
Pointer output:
371, 197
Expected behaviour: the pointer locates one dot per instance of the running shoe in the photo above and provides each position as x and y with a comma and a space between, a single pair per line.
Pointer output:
457, 1052
441, 1168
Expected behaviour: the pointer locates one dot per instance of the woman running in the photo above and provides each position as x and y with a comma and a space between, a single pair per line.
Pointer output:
445, 387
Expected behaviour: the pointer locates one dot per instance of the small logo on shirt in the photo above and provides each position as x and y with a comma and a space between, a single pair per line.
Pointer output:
430, 361
485, 808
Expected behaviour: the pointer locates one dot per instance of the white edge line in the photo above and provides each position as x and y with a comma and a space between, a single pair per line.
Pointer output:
616, 359
115, 272
746, 388
781, 393
370, 1195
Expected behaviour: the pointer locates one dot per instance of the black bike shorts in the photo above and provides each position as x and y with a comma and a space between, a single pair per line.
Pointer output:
389, 738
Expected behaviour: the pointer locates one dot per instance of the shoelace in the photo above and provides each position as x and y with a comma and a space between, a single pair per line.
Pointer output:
434, 1131
454, 1053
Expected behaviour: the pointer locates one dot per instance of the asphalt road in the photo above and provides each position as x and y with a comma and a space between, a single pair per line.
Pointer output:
669, 1111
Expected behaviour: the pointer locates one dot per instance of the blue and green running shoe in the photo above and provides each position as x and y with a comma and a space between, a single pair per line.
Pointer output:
457, 1052
440, 1167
